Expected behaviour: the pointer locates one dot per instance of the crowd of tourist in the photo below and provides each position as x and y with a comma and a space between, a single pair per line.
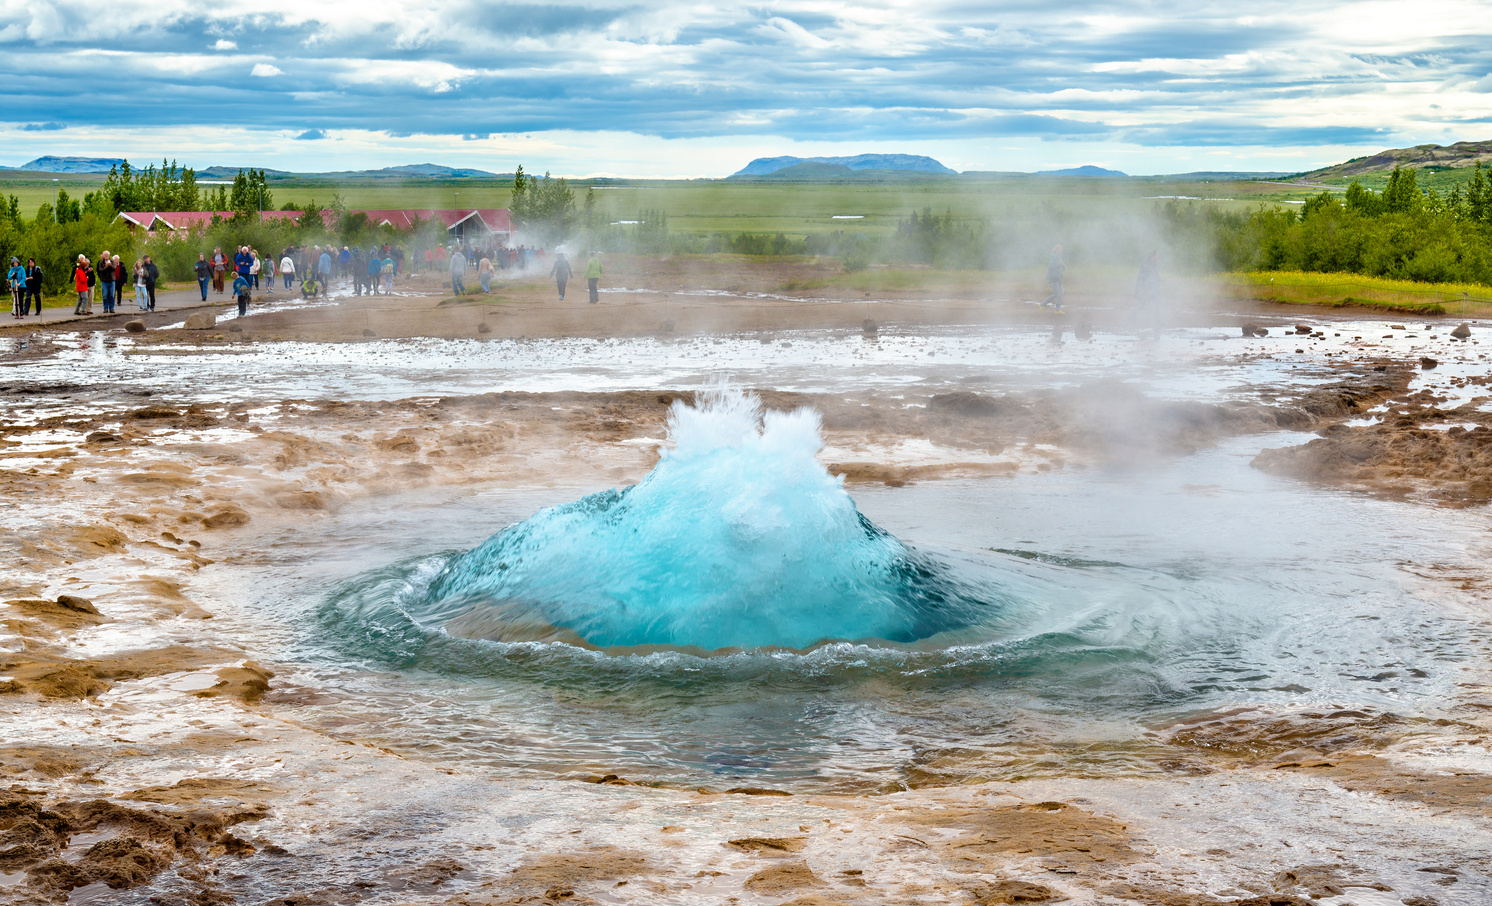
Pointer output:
244, 270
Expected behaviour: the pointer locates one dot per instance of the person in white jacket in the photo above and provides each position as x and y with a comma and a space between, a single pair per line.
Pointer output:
287, 269
254, 268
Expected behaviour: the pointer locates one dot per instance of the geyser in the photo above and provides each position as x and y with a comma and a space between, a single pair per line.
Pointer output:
739, 537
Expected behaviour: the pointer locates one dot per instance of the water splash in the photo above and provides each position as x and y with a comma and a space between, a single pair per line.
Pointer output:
738, 538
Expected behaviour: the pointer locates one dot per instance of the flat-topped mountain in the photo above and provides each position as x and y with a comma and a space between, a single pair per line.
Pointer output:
915, 163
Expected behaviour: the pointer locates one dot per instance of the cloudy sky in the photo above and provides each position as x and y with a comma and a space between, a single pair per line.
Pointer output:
698, 89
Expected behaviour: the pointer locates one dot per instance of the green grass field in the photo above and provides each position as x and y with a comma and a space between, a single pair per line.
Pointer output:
797, 209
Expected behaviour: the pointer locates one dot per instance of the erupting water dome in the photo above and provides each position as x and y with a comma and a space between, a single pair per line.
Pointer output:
739, 537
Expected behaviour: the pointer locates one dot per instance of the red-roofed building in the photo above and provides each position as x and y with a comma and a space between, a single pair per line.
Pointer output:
467, 225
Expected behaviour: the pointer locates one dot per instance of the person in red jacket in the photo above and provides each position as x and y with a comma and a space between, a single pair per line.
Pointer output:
81, 275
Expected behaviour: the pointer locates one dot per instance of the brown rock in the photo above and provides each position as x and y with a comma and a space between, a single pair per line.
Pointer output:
200, 320
1001, 893
780, 880
1462, 331
135, 326
231, 518
1427, 363
75, 603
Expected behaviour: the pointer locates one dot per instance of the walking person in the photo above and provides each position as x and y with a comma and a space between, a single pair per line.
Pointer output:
219, 268
106, 281
593, 276
388, 269
324, 270
203, 270
287, 268
33, 287
82, 283
561, 272
152, 275
15, 279
1056, 266
458, 273
484, 274
267, 271
142, 301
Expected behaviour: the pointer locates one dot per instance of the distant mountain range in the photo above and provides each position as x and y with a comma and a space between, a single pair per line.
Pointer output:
71, 164
1085, 170
907, 163
408, 171
1420, 157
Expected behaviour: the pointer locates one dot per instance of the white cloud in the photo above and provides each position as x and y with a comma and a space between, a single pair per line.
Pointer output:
265, 70
225, 44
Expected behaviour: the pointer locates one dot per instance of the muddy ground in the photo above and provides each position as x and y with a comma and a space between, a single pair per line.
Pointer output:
144, 756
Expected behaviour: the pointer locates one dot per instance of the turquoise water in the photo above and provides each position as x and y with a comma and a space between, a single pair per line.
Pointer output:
739, 538
1007, 627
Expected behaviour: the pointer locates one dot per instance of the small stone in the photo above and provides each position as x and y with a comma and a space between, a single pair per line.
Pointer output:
1302, 328
868, 326
368, 332
1462, 331
201, 320
484, 327
135, 326
75, 603
1397, 327
235, 327
1300, 350
666, 326
1427, 363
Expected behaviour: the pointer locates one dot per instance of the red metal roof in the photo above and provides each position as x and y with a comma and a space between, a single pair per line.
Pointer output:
496, 220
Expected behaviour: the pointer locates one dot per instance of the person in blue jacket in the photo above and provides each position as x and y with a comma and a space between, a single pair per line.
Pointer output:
15, 278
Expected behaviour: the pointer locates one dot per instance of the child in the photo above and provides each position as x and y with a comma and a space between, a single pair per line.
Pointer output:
308, 287
241, 290
388, 276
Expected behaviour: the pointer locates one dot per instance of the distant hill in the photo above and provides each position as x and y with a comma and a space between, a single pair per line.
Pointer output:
914, 163
1085, 170
1420, 157
408, 171
1225, 175
71, 164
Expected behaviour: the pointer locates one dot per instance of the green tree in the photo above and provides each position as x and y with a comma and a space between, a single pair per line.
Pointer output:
1402, 194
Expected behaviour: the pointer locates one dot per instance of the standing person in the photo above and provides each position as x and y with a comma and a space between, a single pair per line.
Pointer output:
33, 287
121, 277
344, 262
106, 281
593, 276
561, 272
324, 270
398, 256
152, 276
458, 273
287, 268
371, 270
267, 271
253, 268
15, 279
388, 276
204, 274
142, 301
1148, 284
219, 268
1056, 267
241, 292
82, 280
484, 274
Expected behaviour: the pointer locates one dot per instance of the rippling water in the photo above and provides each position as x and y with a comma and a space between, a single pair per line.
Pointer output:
1132, 600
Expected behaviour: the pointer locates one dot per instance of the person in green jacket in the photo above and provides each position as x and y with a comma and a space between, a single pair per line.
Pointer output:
593, 276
